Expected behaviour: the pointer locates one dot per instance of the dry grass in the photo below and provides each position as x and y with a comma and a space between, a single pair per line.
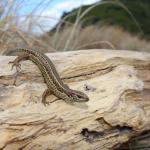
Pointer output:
16, 30
72, 37
108, 37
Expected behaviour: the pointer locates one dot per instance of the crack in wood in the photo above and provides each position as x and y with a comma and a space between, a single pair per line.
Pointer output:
89, 75
103, 68
92, 135
109, 131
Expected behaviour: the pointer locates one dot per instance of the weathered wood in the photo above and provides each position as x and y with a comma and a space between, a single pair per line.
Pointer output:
117, 83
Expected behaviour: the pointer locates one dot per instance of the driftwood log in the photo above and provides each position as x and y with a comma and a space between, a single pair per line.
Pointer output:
117, 83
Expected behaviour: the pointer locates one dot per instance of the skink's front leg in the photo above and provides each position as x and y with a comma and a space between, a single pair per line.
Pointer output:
16, 63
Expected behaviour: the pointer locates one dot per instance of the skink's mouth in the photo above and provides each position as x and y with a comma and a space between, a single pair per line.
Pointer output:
84, 100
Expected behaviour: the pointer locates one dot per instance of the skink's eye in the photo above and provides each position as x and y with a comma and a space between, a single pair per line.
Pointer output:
79, 96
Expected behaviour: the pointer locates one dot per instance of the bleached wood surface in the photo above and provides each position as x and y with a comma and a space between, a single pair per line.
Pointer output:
117, 83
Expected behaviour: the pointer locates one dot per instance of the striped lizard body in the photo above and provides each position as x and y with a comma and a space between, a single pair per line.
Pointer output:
54, 84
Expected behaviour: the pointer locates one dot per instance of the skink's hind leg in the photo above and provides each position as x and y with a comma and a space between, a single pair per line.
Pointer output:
16, 63
46, 93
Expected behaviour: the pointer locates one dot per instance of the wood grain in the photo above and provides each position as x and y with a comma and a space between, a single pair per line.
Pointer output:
117, 83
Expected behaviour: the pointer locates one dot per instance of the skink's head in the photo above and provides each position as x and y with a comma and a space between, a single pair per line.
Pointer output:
78, 96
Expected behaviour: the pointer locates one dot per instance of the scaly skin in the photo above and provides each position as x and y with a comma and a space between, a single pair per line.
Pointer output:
54, 84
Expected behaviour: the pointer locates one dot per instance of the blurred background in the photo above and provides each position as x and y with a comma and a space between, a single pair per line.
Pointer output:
64, 25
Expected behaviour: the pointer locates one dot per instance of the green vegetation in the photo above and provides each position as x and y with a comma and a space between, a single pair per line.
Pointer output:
131, 15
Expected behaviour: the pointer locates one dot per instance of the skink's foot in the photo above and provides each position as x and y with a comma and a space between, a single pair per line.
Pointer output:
45, 94
16, 64
45, 103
